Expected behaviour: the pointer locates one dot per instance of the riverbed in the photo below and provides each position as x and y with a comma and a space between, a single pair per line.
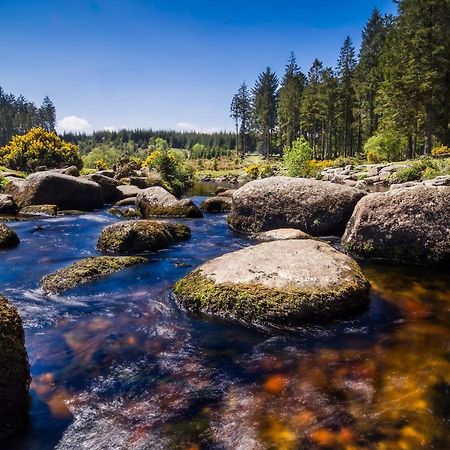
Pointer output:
117, 365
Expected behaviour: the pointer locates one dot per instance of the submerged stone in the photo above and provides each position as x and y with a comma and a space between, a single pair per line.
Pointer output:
14, 371
85, 271
137, 236
283, 283
8, 237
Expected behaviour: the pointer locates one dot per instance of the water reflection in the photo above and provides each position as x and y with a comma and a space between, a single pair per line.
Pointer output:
116, 365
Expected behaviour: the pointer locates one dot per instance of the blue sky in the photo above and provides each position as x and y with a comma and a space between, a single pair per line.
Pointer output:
161, 63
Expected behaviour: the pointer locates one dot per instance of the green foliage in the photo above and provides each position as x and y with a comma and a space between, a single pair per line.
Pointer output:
170, 165
105, 153
417, 170
342, 161
385, 146
297, 158
440, 150
39, 148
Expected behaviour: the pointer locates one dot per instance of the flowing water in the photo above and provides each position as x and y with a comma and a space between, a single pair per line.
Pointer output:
117, 365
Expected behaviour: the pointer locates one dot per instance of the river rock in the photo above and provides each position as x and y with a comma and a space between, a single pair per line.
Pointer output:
64, 191
111, 193
216, 204
129, 201
156, 201
8, 237
136, 236
129, 191
282, 234
39, 210
14, 371
409, 225
72, 171
85, 271
283, 283
227, 193
126, 212
7, 204
313, 206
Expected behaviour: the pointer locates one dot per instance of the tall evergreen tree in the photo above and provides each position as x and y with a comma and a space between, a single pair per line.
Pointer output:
265, 109
345, 71
241, 109
369, 75
289, 103
47, 113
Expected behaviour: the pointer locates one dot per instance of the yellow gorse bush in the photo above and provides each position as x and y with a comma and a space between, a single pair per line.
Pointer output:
39, 147
441, 150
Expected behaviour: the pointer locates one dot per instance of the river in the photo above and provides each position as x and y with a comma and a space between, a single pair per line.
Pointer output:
117, 365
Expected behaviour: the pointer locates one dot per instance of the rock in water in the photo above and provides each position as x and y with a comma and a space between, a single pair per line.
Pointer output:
8, 237
86, 270
7, 204
315, 207
137, 236
14, 371
408, 225
156, 201
64, 191
283, 283
216, 204
111, 193
282, 234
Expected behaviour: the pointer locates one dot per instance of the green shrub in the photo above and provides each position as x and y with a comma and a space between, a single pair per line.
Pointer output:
385, 146
342, 161
417, 170
297, 158
39, 148
109, 155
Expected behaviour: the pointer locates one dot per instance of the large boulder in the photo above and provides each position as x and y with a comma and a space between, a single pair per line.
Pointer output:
111, 193
284, 283
72, 170
14, 371
129, 191
7, 204
64, 191
136, 236
85, 271
216, 204
315, 207
282, 234
8, 237
409, 225
156, 201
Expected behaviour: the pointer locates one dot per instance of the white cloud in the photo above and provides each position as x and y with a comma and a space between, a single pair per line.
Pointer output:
73, 123
186, 126
110, 129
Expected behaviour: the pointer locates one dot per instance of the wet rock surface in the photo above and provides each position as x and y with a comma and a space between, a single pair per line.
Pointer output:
8, 237
85, 271
14, 371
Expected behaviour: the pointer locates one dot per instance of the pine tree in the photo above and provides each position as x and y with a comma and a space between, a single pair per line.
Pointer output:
369, 75
345, 71
47, 114
241, 113
265, 109
289, 103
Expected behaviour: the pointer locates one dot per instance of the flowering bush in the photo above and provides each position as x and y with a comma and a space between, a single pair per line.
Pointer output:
441, 150
39, 148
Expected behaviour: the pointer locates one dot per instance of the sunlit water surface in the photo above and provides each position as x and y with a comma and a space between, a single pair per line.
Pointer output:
117, 365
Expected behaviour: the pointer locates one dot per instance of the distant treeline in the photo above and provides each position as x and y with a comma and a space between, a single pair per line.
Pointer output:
395, 91
133, 141
18, 115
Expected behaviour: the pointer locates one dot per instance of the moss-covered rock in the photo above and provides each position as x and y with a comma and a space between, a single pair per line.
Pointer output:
136, 236
216, 204
8, 237
14, 371
127, 212
87, 270
157, 202
406, 225
316, 207
7, 204
283, 283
